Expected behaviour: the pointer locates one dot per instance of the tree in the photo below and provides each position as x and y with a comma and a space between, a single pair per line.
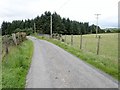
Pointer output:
4, 27
92, 29
56, 23
42, 25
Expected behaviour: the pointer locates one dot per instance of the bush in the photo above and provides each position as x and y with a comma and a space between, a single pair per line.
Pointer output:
28, 31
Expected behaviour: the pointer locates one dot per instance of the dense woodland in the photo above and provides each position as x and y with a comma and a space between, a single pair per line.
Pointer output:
42, 25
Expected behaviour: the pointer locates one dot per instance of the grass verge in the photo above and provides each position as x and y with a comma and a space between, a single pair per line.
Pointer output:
102, 63
16, 64
0, 62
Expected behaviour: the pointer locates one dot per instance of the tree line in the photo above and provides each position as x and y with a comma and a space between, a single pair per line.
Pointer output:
41, 24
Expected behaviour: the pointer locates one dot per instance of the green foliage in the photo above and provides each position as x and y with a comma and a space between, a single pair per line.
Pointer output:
42, 25
117, 30
112, 30
16, 64
108, 31
28, 31
11, 40
16, 25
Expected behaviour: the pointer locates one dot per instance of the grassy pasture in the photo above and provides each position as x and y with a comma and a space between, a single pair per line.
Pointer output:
108, 44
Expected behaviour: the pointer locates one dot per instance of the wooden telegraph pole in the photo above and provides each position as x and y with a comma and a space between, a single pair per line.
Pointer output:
97, 24
81, 41
51, 25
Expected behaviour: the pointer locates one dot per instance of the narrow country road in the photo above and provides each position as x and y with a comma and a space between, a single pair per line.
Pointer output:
53, 67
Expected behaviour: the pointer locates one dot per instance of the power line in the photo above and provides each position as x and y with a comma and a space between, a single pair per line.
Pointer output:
63, 5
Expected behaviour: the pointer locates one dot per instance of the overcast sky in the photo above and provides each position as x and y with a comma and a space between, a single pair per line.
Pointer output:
80, 10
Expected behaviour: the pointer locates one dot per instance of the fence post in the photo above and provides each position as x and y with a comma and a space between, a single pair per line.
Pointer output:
14, 38
98, 44
81, 41
71, 39
6, 45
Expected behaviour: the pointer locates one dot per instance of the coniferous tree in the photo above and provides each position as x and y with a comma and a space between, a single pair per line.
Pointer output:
42, 25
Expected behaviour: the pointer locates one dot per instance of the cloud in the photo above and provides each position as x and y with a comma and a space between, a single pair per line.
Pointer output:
80, 10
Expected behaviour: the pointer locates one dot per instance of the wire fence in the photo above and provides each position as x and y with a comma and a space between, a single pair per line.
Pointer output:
104, 44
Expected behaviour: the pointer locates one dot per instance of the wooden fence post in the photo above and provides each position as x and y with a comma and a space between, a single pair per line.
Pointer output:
14, 38
98, 44
81, 41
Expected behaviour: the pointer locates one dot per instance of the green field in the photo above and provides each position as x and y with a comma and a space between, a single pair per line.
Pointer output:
108, 44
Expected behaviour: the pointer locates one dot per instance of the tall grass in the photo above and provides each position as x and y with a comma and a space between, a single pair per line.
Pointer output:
0, 76
108, 45
0, 62
16, 64
103, 63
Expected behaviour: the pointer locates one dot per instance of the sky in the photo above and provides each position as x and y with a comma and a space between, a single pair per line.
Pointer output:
79, 10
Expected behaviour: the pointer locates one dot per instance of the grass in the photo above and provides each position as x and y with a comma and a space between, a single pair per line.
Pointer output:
0, 62
108, 44
0, 76
16, 64
105, 64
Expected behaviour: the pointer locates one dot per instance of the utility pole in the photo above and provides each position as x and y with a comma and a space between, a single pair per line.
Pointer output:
97, 15
51, 25
118, 29
81, 41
